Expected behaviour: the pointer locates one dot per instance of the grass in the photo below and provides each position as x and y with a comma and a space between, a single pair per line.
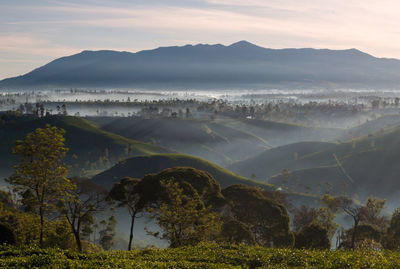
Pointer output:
202, 256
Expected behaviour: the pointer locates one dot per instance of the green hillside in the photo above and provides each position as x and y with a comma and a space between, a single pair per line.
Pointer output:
142, 165
282, 133
370, 167
206, 139
273, 161
371, 127
87, 143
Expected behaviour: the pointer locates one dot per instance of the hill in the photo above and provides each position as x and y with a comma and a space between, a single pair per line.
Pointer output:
367, 166
371, 127
139, 166
273, 161
282, 133
89, 147
239, 64
206, 139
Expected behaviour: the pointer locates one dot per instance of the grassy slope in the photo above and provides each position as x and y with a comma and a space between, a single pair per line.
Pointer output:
371, 127
201, 256
142, 165
203, 138
370, 161
83, 139
280, 133
273, 161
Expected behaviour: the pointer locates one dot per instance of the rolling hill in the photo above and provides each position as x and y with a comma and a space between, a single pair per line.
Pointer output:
239, 64
367, 166
87, 144
371, 127
282, 133
271, 162
203, 138
139, 166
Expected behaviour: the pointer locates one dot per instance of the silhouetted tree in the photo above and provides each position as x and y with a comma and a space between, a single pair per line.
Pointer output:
83, 202
127, 195
368, 213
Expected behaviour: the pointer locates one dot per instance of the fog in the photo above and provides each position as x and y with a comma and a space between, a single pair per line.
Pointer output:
256, 133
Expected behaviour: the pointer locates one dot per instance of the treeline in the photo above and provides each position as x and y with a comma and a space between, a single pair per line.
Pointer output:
187, 204
311, 113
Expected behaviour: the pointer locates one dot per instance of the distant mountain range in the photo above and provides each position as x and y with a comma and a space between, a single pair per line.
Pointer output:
241, 63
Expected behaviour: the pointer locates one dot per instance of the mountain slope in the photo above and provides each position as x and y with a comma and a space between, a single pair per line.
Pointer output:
241, 63
141, 165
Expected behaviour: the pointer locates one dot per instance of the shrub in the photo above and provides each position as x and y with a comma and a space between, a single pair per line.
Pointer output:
7, 235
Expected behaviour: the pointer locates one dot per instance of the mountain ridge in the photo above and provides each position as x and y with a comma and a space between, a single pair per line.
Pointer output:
202, 64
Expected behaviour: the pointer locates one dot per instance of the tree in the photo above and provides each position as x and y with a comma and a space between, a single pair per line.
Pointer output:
84, 201
366, 214
191, 180
265, 218
41, 170
236, 232
391, 239
127, 195
305, 216
64, 109
312, 236
364, 232
184, 220
107, 234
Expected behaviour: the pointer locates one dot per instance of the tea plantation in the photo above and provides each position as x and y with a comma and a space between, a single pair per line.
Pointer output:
202, 256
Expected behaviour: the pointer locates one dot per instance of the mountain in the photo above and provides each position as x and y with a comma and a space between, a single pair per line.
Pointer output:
141, 165
241, 63
89, 147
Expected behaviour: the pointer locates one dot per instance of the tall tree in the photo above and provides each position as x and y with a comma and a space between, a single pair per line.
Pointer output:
41, 170
84, 201
127, 195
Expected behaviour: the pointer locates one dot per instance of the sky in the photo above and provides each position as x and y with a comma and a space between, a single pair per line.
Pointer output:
34, 32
